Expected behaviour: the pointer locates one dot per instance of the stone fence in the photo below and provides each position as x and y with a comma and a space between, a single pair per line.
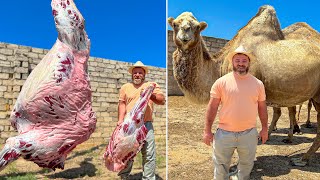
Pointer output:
213, 45
106, 78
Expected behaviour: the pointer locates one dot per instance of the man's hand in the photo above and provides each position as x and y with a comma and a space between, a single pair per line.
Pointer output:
153, 97
263, 135
208, 138
119, 122
158, 99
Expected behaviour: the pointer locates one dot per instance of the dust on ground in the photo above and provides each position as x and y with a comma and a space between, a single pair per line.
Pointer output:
190, 158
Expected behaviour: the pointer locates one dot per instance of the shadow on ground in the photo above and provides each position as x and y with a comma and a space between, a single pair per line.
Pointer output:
276, 165
276, 139
138, 176
81, 153
86, 169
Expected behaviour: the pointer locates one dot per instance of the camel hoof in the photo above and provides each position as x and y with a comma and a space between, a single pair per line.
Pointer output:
309, 126
298, 162
296, 129
287, 141
233, 173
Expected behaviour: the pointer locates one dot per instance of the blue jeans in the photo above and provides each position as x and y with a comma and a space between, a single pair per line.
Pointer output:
223, 148
148, 152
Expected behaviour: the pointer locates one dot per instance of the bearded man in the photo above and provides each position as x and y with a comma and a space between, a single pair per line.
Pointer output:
242, 97
129, 95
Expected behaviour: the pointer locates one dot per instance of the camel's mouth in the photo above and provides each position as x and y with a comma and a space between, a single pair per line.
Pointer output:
184, 40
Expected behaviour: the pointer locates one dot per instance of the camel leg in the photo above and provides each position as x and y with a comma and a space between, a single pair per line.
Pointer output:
292, 117
315, 145
308, 124
298, 116
275, 118
296, 129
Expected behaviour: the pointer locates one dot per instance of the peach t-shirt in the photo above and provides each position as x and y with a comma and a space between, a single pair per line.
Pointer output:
239, 100
130, 95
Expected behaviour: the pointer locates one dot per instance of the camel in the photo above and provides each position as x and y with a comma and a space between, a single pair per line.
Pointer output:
281, 64
303, 31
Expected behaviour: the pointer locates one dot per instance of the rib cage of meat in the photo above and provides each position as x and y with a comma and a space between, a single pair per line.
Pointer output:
53, 112
127, 139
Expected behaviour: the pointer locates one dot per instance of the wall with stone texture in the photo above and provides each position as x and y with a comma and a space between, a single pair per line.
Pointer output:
213, 44
107, 76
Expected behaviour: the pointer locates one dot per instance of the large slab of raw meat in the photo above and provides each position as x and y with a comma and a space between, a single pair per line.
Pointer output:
53, 112
129, 137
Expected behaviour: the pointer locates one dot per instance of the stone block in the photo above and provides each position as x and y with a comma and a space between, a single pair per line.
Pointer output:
3, 88
32, 66
12, 46
4, 115
101, 90
35, 61
25, 64
37, 50
16, 88
92, 63
41, 56
33, 55
21, 69
101, 99
3, 57
114, 114
9, 88
17, 75
5, 63
6, 51
4, 76
24, 76
18, 82
105, 114
7, 82
8, 95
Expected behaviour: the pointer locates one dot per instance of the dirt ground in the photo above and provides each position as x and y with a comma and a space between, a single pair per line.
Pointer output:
84, 162
190, 158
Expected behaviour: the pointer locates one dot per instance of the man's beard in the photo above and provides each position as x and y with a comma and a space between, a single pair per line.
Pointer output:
137, 81
240, 71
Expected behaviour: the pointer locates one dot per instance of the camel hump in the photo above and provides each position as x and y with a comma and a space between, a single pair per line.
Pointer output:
268, 8
302, 31
296, 27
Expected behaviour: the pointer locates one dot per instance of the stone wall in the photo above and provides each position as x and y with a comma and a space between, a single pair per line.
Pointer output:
107, 76
213, 44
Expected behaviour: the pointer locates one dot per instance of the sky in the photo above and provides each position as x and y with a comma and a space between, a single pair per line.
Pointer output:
127, 30
123, 30
225, 18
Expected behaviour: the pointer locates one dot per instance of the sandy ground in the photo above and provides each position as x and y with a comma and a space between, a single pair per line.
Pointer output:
190, 158
85, 162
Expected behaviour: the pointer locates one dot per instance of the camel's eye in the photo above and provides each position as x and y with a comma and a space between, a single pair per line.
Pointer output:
188, 29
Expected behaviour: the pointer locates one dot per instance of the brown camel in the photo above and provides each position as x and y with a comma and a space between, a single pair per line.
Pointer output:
281, 64
302, 31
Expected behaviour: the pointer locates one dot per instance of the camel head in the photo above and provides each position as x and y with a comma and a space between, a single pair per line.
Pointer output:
186, 30
70, 24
